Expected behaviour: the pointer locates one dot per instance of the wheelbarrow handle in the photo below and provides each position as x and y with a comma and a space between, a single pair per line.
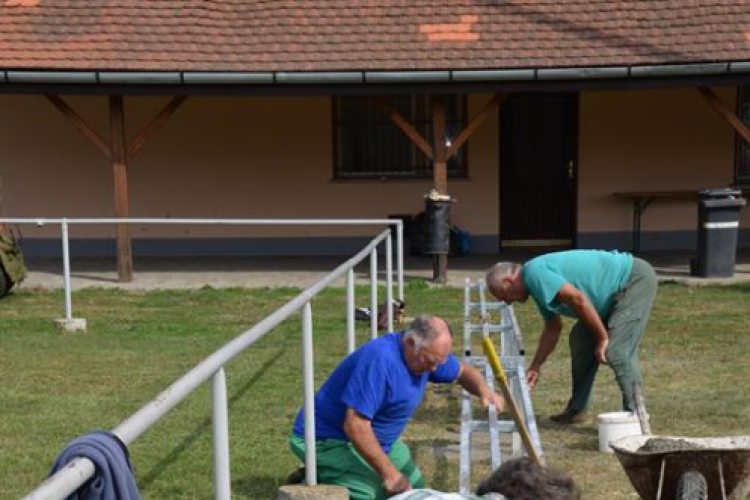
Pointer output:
640, 409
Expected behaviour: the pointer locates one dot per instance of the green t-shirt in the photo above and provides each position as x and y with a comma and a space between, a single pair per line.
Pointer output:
597, 273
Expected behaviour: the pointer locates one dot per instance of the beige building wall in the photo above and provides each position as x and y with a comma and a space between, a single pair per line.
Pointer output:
217, 157
272, 157
650, 140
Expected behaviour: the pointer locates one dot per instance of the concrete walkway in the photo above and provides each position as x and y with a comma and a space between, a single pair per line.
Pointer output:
186, 273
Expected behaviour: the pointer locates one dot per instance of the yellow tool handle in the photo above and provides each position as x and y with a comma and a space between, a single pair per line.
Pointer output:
497, 369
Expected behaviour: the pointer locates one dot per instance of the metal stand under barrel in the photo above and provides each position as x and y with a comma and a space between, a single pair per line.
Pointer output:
497, 320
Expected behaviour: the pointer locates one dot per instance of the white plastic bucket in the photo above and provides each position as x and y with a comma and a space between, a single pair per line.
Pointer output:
616, 425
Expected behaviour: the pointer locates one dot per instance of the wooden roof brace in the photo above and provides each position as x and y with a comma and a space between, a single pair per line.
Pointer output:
474, 124
405, 127
718, 105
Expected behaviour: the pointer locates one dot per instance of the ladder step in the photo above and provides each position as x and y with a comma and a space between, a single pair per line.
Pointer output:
483, 426
479, 328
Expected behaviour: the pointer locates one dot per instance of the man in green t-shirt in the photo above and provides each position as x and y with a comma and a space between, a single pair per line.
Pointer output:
609, 293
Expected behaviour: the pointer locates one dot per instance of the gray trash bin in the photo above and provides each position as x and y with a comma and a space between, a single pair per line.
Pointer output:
718, 223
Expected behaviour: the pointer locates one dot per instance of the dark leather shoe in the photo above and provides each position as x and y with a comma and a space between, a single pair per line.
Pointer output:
571, 417
297, 476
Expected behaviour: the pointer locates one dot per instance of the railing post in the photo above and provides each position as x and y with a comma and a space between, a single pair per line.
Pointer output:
400, 259
350, 331
311, 470
66, 269
222, 484
389, 280
374, 293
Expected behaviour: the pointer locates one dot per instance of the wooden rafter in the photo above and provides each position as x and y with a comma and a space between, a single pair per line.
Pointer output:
474, 124
80, 124
405, 127
725, 112
153, 127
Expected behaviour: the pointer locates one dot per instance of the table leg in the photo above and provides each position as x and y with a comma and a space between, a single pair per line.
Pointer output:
639, 207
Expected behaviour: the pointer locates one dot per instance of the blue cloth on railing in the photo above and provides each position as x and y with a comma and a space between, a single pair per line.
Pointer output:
113, 479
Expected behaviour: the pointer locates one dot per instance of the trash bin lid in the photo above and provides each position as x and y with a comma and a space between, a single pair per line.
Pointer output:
720, 193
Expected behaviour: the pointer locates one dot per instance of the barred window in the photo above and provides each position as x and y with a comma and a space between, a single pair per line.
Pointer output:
368, 145
742, 156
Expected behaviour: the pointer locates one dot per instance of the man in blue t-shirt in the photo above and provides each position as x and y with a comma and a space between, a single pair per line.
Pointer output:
609, 293
363, 407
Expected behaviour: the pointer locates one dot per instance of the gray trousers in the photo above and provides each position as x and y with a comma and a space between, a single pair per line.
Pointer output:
625, 325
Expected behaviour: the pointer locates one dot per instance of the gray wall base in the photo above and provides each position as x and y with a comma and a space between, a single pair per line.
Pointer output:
651, 240
334, 246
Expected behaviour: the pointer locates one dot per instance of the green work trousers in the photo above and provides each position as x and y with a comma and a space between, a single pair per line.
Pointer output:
625, 325
339, 463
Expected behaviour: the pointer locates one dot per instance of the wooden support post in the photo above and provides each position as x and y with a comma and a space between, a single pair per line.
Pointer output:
120, 174
440, 177
440, 168
119, 153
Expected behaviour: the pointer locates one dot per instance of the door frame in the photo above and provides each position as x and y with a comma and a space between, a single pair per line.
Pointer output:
575, 126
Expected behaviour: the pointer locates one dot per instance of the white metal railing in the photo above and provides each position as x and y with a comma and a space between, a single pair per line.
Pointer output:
66, 222
77, 472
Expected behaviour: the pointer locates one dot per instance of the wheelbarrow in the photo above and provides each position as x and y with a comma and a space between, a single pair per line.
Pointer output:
683, 468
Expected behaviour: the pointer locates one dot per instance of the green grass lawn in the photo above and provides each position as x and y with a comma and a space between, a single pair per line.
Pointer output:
56, 386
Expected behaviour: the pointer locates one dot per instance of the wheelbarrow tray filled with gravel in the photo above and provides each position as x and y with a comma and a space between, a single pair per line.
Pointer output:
656, 466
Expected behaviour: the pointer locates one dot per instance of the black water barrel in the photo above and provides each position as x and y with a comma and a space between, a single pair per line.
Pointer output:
437, 226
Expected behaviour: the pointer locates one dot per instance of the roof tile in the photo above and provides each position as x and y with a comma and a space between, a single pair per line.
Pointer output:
326, 35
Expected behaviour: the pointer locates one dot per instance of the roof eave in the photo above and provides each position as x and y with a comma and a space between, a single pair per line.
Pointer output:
366, 77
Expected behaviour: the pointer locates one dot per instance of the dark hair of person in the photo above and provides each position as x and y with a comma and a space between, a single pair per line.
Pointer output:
522, 479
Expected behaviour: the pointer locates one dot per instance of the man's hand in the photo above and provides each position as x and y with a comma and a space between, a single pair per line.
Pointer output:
359, 430
532, 376
470, 379
396, 484
601, 351
493, 398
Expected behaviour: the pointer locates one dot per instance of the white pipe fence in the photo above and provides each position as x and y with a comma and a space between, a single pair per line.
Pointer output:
66, 222
80, 470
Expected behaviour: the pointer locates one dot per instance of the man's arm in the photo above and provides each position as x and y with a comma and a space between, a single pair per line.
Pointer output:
359, 431
470, 379
581, 305
547, 343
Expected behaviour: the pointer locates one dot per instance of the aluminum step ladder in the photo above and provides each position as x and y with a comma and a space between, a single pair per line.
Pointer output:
497, 320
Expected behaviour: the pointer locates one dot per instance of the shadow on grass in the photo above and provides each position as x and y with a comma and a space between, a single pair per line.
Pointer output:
205, 426
437, 450
586, 443
256, 487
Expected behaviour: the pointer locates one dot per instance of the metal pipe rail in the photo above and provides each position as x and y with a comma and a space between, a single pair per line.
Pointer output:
65, 222
77, 472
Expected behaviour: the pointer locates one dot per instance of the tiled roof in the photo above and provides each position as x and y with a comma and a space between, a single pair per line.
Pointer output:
333, 35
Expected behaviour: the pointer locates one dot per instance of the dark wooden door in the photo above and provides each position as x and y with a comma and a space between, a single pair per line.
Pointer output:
538, 146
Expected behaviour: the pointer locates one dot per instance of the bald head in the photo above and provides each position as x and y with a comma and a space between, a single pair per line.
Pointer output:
427, 329
427, 344
503, 281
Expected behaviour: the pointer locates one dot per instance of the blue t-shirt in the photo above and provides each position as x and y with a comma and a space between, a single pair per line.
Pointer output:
374, 381
597, 273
